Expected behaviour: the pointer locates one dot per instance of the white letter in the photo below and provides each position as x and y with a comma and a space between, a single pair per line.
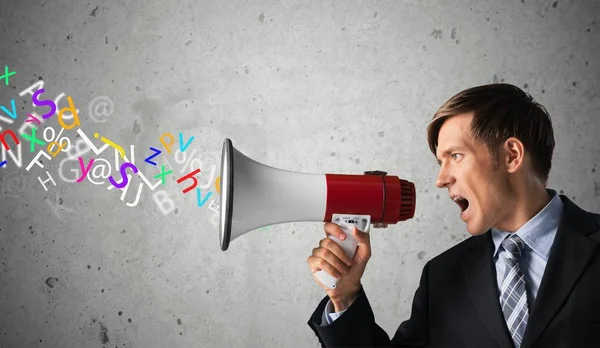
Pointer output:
164, 198
35, 160
44, 182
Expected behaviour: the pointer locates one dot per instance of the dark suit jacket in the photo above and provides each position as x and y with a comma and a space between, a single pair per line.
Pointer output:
457, 305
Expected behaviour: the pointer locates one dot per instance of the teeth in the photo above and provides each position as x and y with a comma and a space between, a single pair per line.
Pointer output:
458, 198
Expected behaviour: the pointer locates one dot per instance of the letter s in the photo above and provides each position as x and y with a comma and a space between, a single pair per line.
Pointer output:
123, 169
48, 103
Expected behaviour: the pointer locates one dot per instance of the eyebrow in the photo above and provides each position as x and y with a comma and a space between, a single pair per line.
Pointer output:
452, 149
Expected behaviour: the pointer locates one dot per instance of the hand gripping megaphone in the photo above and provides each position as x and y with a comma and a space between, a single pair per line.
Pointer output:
255, 195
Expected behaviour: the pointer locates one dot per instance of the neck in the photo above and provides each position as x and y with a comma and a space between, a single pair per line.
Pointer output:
526, 202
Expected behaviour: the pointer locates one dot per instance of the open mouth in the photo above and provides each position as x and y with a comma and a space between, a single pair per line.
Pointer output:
462, 202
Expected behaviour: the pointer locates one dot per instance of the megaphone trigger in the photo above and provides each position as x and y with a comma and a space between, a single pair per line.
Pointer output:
349, 244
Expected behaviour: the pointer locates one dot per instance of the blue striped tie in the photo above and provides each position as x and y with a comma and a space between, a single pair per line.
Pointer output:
513, 298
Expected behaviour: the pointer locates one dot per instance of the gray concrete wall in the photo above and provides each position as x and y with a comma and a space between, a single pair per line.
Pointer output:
323, 86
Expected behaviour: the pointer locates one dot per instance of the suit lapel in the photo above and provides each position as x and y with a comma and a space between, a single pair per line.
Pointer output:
568, 257
480, 276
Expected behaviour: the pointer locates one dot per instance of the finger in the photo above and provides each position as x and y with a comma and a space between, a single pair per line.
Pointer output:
317, 263
336, 249
333, 260
362, 237
312, 263
334, 229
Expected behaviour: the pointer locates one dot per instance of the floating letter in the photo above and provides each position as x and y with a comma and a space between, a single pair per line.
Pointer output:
12, 114
167, 146
85, 169
181, 147
190, 176
48, 103
73, 110
148, 159
123, 169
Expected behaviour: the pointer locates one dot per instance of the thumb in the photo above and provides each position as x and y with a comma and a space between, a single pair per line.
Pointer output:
361, 237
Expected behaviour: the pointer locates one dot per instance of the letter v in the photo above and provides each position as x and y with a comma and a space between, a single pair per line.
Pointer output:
199, 194
14, 109
181, 147
148, 159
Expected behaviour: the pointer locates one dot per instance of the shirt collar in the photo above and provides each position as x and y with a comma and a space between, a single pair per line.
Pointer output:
537, 233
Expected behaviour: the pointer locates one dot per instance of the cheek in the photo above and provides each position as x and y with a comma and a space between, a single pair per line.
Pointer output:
488, 201
484, 197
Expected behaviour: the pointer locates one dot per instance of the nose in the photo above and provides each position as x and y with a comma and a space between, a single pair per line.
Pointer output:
444, 178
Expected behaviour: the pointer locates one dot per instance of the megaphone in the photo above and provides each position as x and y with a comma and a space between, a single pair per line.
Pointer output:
255, 195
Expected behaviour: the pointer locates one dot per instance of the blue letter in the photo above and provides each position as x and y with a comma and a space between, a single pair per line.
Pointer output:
148, 159
181, 147
14, 109
199, 194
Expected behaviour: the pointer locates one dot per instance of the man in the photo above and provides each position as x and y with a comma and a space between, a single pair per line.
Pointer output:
530, 274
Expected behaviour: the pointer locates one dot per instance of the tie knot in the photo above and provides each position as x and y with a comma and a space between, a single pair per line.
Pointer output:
513, 245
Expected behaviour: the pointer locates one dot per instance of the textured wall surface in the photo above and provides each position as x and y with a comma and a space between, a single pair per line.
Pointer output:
321, 86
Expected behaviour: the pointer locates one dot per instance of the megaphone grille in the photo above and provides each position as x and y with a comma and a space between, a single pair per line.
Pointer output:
407, 200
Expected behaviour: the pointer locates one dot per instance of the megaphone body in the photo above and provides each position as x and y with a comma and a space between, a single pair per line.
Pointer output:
254, 195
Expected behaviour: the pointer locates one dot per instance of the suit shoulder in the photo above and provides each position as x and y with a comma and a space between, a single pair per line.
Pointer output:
596, 216
456, 252
596, 234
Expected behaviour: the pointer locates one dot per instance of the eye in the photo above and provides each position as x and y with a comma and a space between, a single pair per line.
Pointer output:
455, 154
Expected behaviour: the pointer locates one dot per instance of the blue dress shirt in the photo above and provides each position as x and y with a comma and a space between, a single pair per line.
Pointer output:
538, 234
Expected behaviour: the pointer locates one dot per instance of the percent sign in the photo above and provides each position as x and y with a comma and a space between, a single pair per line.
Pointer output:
54, 138
191, 163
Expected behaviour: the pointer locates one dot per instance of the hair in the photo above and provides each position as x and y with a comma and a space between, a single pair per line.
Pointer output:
501, 111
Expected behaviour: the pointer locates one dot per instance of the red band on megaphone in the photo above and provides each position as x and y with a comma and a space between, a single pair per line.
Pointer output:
387, 199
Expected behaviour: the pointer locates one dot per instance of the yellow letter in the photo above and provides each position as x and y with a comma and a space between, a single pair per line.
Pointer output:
73, 110
167, 146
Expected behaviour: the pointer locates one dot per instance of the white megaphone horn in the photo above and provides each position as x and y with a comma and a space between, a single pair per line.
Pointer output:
255, 195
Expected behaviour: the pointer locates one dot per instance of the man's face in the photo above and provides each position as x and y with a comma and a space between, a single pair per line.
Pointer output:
467, 170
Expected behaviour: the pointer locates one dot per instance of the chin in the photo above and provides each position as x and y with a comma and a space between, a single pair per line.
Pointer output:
477, 233
475, 229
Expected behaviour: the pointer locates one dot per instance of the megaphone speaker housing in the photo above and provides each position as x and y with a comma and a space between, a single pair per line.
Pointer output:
254, 195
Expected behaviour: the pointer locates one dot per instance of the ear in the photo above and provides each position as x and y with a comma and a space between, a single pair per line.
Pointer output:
513, 156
